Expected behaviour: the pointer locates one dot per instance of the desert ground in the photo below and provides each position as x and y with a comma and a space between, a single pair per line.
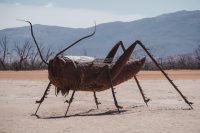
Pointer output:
166, 112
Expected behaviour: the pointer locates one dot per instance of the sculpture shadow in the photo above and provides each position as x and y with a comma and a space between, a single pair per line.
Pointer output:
87, 113
109, 112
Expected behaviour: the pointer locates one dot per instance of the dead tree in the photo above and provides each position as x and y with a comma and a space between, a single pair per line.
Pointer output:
197, 56
34, 59
3, 51
22, 52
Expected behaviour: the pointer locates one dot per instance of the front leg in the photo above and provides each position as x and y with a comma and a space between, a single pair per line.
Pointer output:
70, 101
45, 94
43, 97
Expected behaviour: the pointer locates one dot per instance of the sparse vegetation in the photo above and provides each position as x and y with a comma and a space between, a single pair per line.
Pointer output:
22, 57
3, 52
188, 61
25, 57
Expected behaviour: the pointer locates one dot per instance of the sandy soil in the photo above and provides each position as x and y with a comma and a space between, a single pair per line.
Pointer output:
166, 112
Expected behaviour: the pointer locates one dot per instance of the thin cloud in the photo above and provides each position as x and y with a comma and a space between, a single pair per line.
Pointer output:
66, 17
17, 4
49, 5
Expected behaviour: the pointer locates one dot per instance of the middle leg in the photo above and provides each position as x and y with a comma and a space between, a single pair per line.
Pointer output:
96, 99
113, 92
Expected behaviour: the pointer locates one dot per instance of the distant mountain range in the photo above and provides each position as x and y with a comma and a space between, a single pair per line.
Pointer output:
165, 35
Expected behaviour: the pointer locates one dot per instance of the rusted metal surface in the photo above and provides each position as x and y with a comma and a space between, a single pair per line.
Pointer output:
81, 73
65, 74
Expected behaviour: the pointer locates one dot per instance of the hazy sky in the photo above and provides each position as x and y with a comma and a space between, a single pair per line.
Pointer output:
82, 13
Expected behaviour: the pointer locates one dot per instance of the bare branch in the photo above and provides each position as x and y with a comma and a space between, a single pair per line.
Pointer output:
23, 52
3, 50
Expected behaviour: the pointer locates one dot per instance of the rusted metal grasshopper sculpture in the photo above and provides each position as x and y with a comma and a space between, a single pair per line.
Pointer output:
89, 74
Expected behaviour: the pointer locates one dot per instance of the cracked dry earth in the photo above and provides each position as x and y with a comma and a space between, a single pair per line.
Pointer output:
166, 112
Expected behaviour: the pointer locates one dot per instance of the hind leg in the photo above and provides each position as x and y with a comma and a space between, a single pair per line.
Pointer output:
122, 60
163, 72
113, 51
146, 100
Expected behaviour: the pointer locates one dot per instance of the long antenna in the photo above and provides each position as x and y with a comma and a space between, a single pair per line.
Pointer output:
35, 40
77, 41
